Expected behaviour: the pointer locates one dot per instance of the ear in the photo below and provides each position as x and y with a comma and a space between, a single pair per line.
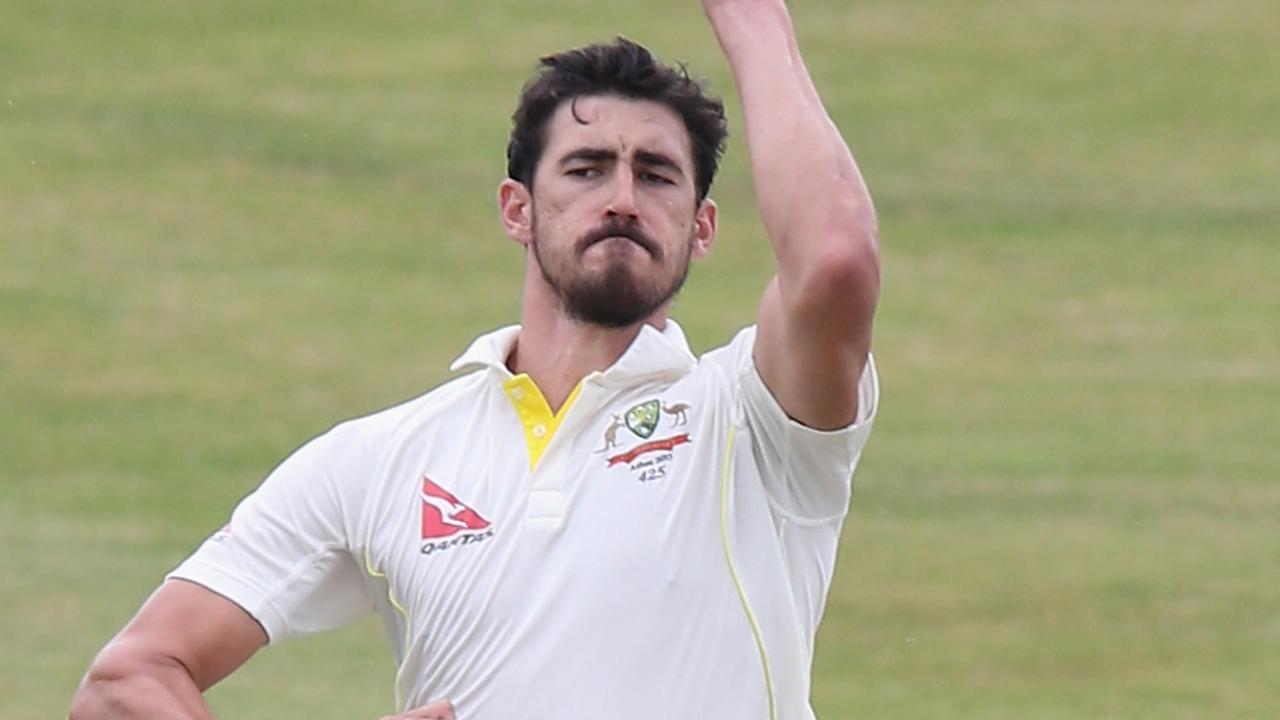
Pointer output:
704, 228
515, 207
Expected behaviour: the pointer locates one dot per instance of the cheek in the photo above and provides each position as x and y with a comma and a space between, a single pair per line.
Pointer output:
554, 210
674, 211
554, 204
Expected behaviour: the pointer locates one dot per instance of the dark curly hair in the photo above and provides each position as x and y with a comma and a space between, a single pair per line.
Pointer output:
625, 69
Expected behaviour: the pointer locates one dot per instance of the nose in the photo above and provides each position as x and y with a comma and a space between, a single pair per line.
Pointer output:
622, 198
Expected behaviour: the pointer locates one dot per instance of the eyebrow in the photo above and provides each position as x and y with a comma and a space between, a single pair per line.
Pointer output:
643, 157
589, 155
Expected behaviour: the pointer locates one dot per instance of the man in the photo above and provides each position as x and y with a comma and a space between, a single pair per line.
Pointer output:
593, 524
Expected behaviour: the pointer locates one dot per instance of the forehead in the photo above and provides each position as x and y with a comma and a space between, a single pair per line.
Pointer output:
619, 124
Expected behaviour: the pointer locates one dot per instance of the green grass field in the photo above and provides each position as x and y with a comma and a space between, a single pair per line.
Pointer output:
225, 226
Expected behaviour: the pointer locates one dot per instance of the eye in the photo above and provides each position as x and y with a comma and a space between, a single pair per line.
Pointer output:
583, 172
656, 179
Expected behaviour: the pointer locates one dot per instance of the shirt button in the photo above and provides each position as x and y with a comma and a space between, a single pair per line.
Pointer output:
517, 393
539, 430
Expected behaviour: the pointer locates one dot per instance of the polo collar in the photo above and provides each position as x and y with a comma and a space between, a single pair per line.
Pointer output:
654, 353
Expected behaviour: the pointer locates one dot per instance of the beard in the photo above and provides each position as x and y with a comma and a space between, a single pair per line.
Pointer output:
620, 295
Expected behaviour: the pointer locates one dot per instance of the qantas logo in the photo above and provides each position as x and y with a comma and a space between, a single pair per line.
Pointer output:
447, 522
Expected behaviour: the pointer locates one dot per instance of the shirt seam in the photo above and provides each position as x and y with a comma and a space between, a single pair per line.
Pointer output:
792, 517
299, 569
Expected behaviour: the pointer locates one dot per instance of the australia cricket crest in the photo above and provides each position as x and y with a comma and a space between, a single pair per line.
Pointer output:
643, 418
649, 460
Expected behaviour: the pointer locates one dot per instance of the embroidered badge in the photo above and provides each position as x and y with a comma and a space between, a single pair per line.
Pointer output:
648, 460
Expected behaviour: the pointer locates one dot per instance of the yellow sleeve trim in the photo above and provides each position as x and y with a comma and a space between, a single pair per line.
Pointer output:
408, 631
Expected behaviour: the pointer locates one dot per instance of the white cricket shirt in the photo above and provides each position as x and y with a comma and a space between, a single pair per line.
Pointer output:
660, 548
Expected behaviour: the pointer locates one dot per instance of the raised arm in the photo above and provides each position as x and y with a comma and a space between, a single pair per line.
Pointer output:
183, 640
815, 318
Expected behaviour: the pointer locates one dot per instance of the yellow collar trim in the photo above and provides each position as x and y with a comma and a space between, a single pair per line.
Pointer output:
539, 423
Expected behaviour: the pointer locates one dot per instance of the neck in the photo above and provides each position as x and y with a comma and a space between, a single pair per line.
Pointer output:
557, 351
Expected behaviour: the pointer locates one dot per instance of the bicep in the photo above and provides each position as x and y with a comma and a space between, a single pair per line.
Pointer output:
188, 624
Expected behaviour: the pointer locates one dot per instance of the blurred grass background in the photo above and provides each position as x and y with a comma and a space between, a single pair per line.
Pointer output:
225, 226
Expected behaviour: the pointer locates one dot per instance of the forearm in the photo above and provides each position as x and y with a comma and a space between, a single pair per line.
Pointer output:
120, 688
812, 199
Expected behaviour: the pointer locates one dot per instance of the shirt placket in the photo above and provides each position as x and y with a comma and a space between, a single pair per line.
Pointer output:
549, 478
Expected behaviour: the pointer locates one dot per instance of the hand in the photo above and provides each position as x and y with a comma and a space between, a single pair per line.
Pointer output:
437, 710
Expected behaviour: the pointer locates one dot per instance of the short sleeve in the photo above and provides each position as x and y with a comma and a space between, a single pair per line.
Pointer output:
807, 473
284, 556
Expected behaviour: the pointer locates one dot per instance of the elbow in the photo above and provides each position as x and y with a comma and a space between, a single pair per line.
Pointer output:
94, 698
847, 262
844, 275
87, 705
117, 686
852, 263
104, 692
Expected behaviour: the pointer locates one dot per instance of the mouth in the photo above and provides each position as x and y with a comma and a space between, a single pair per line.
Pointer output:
635, 238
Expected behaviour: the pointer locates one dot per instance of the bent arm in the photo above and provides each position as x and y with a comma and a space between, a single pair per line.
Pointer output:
815, 317
184, 640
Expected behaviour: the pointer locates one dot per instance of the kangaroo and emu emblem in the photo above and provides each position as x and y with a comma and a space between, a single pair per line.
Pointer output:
643, 419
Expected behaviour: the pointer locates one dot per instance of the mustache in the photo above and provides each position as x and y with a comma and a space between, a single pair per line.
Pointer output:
618, 227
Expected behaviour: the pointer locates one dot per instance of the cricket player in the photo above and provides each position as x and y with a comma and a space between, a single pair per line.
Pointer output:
589, 522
